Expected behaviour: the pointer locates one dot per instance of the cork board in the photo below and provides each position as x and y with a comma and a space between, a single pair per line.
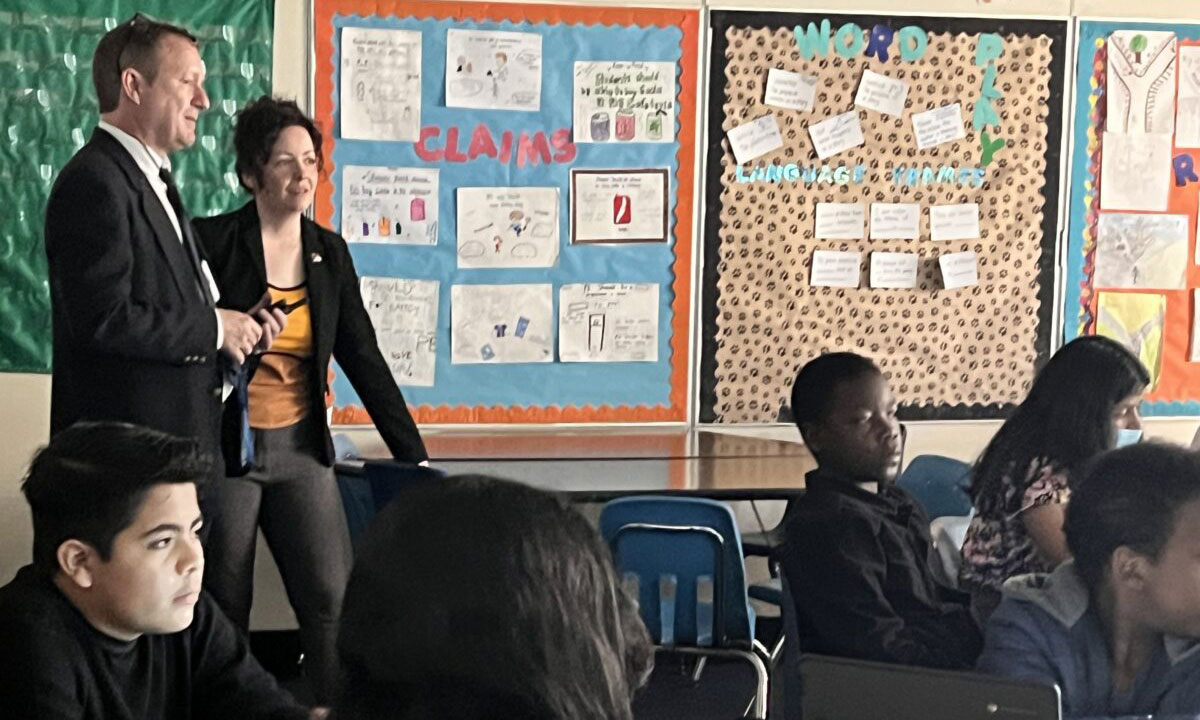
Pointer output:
959, 353
1156, 321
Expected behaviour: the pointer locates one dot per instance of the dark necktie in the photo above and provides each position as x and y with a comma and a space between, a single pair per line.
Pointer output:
185, 230
236, 375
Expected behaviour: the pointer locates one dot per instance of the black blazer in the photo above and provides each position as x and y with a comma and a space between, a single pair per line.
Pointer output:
134, 338
340, 326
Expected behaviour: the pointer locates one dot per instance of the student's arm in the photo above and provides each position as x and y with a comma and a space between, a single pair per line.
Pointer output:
1045, 527
1043, 510
227, 681
838, 575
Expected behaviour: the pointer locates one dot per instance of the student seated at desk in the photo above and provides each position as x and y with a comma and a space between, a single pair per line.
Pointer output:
1084, 402
857, 555
474, 598
1117, 628
109, 622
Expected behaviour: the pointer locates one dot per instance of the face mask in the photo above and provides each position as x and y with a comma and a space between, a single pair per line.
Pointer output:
1126, 437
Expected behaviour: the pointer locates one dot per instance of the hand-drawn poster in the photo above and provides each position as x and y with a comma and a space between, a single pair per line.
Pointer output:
1138, 250
1141, 82
619, 206
404, 313
608, 322
1135, 172
507, 227
391, 205
1136, 110
624, 102
501, 324
1187, 117
381, 84
493, 70
1136, 321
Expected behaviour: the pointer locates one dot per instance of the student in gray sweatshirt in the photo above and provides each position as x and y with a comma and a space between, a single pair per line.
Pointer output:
1117, 628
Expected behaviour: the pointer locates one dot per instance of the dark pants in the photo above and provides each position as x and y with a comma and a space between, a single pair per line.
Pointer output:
296, 502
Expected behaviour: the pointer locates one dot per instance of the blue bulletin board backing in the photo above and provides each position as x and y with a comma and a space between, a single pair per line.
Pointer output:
511, 388
1178, 393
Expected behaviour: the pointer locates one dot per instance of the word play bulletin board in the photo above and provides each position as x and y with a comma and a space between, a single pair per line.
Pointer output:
1131, 259
883, 185
516, 184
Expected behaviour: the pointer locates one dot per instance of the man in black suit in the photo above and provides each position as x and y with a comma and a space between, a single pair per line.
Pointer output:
136, 328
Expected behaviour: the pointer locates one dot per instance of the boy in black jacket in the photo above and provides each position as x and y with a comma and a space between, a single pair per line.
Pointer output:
109, 622
857, 554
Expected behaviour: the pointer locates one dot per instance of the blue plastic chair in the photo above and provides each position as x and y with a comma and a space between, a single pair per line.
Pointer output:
939, 484
691, 539
365, 494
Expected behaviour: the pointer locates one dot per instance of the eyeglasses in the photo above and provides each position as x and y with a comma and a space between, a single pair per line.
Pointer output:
139, 25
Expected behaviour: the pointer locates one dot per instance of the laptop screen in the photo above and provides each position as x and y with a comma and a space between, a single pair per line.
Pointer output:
842, 689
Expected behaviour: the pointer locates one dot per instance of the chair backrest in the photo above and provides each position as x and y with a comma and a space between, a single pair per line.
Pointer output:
388, 477
939, 484
654, 537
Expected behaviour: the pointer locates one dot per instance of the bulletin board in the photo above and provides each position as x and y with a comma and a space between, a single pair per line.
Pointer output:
48, 110
1130, 259
970, 351
530, 144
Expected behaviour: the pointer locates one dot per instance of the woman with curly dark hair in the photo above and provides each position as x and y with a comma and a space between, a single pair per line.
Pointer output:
269, 252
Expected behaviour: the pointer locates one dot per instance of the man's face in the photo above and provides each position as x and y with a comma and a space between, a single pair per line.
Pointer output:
859, 435
151, 581
1172, 582
169, 107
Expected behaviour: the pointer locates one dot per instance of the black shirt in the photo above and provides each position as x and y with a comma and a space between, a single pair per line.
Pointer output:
866, 580
55, 666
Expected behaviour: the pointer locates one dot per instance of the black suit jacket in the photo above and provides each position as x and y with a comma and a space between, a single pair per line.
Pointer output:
134, 338
340, 326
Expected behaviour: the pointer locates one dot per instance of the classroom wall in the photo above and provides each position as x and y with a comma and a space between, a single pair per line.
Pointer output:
25, 398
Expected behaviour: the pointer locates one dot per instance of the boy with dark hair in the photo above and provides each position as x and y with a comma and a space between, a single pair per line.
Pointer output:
865, 578
1117, 628
109, 622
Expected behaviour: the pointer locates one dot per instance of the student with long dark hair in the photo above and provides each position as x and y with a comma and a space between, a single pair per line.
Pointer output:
474, 598
1085, 401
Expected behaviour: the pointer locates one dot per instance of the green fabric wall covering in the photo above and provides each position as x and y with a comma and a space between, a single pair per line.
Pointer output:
48, 111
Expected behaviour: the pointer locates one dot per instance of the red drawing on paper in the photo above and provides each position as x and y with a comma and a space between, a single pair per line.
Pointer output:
622, 210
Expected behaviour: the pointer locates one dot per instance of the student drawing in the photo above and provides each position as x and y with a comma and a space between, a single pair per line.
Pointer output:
1141, 251
493, 70
507, 227
499, 74
1141, 82
1136, 321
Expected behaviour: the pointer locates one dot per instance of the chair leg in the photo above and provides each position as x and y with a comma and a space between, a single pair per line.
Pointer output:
755, 656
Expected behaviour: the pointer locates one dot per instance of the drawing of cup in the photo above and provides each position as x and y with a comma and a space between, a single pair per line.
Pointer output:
600, 126
654, 125
626, 125
416, 209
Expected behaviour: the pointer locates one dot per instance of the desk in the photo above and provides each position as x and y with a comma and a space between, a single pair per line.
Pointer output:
598, 466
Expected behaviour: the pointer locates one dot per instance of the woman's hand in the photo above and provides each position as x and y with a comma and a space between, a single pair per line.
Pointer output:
272, 321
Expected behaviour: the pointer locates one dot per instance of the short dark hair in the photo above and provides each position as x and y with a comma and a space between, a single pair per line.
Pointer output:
816, 382
257, 128
1064, 421
474, 597
1128, 497
132, 44
89, 483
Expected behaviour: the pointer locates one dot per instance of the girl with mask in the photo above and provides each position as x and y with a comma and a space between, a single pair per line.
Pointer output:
1084, 401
